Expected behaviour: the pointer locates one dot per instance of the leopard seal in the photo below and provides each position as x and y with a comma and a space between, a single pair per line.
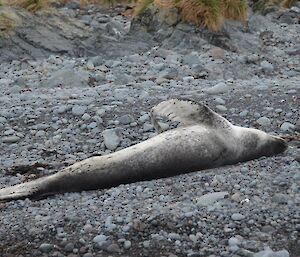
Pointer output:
203, 140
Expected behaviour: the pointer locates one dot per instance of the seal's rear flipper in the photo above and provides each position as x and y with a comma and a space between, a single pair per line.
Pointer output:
187, 113
21, 191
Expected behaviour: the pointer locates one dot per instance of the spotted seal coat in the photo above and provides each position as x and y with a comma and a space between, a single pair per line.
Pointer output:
203, 140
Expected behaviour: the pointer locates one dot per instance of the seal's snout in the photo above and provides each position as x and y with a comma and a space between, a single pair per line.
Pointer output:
280, 145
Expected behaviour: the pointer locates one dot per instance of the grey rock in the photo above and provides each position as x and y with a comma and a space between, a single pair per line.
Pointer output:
188, 79
191, 59
69, 247
148, 84
297, 127
97, 60
233, 241
88, 255
40, 133
111, 139
269, 253
237, 216
164, 126
9, 139
9, 132
3, 120
219, 88
219, 101
78, 110
169, 73
113, 248
99, 238
68, 77
287, 127
86, 116
126, 119
264, 121
146, 244
92, 125
266, 66
144, 118
127, 244
221, 108
100, 112
243, 113
280, 198
46, 248
210, 198
158, 66
174, 236
147, 127
62, 109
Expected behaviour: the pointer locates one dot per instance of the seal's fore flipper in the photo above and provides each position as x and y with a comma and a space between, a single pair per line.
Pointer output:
187, 113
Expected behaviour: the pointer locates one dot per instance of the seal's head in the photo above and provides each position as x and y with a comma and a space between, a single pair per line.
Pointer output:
256, 143
276, 145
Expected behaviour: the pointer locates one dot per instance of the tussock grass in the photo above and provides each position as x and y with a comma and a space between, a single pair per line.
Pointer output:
8, 21
204, 13
235, 10
261, 5
287, 3
141, 6
6, 25
29, 5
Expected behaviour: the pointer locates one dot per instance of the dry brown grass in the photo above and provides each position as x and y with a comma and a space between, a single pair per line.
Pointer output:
35, 5
29, 5
204, 13
141, 6
287, 3
164, 3
261, 5
6, 25
235, 10
8, 21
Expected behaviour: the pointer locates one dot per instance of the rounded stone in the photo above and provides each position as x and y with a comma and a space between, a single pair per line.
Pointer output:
266, 66
287, 127
78, 110
126, 119
86, 116
264, 121
237, 216
46, 248
233, 241
111, 139
69, 247
221, 108
10, 139
99, 238
113, 248
127, 244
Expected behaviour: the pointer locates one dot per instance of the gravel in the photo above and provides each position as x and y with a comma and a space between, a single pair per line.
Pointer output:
59, 117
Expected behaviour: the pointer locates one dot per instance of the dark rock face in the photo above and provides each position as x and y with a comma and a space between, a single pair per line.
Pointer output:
64, 32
